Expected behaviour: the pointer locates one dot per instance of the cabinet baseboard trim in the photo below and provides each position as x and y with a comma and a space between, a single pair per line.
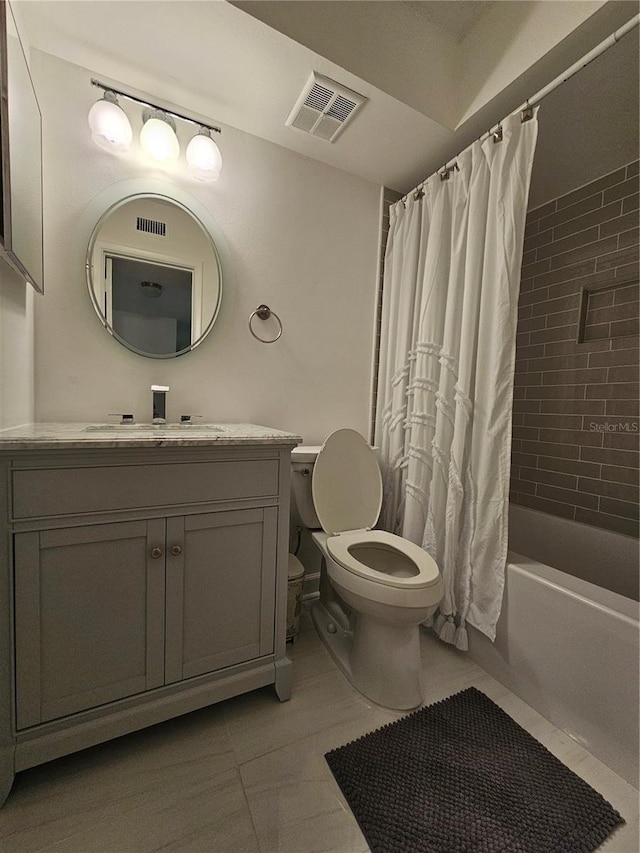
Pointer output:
41, 747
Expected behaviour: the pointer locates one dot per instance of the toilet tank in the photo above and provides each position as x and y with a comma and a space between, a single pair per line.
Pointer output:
303, 513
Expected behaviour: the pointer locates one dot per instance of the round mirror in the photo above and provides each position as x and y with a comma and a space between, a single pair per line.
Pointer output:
154, 276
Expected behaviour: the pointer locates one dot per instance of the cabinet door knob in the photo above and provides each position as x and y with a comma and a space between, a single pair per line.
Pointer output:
156, 552
176, 550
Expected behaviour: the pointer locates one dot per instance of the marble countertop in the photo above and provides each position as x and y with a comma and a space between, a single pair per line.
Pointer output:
86, 435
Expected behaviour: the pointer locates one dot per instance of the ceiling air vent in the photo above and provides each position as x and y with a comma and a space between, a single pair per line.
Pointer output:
151, 226
324, 107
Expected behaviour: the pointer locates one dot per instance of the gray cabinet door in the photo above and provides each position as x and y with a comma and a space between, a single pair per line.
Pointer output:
221, 570
89, 616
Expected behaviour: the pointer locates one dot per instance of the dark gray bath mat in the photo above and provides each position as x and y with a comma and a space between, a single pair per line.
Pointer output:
462, 777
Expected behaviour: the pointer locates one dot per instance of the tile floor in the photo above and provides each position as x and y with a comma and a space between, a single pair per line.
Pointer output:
248, 775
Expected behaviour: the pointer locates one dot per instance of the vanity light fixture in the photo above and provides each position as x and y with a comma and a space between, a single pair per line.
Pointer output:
203, 156
110, 126
158, 136
111, 129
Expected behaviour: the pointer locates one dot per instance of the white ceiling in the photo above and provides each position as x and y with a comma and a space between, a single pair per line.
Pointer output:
436, 74
457, 17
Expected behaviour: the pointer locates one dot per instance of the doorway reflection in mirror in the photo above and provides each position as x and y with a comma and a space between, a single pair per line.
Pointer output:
152, 305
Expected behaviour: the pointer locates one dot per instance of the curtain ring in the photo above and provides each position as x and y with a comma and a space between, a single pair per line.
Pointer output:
263, 312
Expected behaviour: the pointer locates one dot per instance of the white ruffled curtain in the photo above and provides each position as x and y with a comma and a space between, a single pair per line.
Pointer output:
445, 389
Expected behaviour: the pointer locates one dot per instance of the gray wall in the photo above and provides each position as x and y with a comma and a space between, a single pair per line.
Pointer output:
589, 125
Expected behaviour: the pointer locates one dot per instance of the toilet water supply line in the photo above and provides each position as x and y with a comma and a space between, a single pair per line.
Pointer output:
528, 105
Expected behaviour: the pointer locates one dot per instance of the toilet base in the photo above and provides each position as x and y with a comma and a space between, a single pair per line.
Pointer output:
382, 661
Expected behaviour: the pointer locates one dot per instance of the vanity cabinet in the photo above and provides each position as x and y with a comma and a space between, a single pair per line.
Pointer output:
146, 583
89, 617
106, 611
220, 590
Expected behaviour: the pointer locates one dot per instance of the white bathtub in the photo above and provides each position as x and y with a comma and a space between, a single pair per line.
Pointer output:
599, 556
570, 649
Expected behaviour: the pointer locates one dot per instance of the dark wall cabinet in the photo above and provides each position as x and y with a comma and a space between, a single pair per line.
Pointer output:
21, 196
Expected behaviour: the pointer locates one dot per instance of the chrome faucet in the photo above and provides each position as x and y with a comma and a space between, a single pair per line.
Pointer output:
159, 404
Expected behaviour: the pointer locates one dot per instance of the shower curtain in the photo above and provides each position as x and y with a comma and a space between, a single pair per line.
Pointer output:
445, 388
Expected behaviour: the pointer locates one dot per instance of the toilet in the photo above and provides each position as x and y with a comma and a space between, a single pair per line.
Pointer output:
375, 587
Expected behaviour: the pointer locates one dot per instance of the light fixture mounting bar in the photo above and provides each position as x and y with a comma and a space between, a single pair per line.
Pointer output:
107, 88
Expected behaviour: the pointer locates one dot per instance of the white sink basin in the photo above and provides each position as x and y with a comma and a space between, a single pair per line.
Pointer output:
153, 428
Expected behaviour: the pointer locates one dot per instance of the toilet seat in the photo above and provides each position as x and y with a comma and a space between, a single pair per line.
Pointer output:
341, 548
347, 495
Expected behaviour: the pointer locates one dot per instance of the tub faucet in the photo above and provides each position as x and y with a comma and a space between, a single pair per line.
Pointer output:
159, 404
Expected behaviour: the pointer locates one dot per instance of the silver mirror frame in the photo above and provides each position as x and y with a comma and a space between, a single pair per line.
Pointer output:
111, 209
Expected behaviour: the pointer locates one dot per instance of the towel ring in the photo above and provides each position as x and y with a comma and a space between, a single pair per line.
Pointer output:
263, 312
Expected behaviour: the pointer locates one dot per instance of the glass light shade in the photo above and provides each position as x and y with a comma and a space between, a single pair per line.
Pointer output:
110, 127
203, 157
158, 139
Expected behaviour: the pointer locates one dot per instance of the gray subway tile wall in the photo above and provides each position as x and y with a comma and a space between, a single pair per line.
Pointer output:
576, 423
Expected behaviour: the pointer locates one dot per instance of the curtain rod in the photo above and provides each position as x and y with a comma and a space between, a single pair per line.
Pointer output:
546, 90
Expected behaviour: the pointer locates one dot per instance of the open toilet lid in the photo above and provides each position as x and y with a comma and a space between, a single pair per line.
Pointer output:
347, 485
